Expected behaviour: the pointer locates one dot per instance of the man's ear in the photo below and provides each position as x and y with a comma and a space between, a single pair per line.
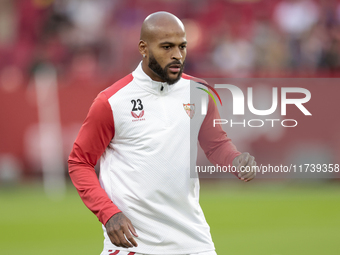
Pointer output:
142, 47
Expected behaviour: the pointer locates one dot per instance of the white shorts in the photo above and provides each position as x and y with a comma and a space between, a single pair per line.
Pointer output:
116, 252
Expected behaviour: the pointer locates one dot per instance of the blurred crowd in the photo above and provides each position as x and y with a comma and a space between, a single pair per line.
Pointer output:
93, 43
88, 40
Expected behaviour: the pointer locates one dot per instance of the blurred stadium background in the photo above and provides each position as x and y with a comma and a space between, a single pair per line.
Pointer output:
56, 56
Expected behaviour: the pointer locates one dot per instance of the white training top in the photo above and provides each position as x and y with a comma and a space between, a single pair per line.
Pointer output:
141, 129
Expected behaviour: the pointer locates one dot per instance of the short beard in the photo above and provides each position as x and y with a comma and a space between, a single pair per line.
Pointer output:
163, 73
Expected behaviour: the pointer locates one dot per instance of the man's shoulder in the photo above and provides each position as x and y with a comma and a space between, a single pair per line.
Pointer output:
192, 78
118, 85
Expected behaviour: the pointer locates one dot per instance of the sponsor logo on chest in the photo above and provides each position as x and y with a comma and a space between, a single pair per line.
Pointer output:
137, 111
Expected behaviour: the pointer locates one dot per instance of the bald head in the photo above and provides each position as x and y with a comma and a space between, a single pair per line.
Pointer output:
157, 23
163, 47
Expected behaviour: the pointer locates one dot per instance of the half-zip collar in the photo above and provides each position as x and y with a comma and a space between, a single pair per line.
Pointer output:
145, 82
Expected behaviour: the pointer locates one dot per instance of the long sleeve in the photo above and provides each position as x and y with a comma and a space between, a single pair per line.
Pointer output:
214, 141
94, 136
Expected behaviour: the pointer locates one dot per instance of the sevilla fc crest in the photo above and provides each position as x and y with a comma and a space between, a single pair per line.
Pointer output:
189, 109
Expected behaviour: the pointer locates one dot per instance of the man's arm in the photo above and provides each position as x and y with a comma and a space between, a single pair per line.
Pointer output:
94, 136
219, 149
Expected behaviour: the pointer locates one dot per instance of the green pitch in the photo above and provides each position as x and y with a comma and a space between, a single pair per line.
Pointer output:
248, 218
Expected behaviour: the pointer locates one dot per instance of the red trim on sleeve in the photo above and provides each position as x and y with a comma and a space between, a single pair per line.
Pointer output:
110, 91
214, 141
189, 77
94, 137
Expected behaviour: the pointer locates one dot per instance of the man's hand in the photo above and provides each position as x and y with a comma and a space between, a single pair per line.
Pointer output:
118, 227
244, 165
